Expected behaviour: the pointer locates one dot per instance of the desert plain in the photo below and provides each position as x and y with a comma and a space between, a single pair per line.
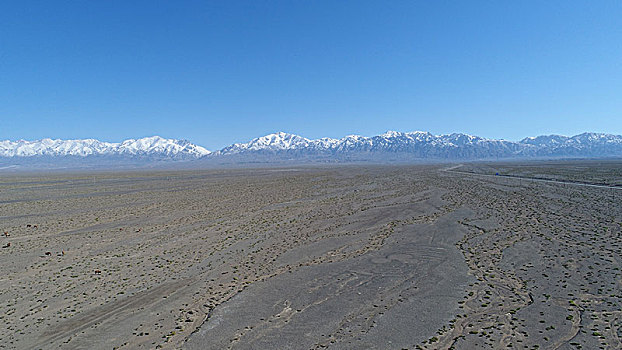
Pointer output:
461, 256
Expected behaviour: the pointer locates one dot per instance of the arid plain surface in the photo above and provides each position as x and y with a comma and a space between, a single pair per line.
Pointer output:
350, 257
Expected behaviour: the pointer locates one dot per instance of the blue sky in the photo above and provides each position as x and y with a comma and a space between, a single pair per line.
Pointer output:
218, 72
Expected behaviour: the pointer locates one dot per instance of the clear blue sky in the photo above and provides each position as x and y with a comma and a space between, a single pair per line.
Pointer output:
217, 72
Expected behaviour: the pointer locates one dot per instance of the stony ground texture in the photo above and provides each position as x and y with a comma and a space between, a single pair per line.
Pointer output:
344, 257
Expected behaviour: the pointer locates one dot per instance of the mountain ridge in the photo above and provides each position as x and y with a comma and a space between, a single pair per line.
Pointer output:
147, 146
389, 146
424, 145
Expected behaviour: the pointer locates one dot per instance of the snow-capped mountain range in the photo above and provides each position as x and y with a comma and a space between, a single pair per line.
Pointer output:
148, 146
424, 145
390, 146
418, 142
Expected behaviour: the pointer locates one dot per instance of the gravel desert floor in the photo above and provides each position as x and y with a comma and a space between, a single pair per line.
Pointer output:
349, 257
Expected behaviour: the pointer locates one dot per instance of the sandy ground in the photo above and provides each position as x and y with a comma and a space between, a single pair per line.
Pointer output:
344, 258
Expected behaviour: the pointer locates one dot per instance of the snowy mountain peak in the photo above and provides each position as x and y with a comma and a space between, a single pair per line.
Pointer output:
280, 139
272, 142
544, 140
391, 134
160, 145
